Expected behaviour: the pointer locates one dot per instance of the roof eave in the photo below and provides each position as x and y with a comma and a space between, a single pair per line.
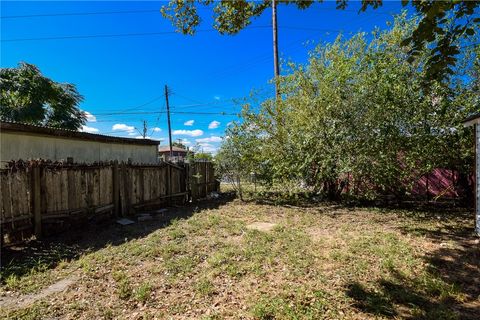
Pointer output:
472, 120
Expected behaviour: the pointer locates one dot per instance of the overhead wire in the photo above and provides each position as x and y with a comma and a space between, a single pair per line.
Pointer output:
160, 112
59, 14
117, 35
158, 120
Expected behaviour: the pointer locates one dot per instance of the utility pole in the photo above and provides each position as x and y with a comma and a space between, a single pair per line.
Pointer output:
168, 117
276, 66
144, 129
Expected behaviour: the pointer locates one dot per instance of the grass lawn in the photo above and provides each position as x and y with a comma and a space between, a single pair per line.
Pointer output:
318, 262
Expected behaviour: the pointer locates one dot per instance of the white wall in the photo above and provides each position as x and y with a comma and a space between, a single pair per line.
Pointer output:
26, 146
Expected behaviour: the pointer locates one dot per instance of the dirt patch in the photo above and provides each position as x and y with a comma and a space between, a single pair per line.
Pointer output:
262, 226
26, 300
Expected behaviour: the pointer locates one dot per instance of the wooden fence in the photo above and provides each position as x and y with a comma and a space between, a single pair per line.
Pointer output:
44, 199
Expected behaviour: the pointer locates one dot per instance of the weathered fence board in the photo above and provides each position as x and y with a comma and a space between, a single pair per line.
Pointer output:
61, 196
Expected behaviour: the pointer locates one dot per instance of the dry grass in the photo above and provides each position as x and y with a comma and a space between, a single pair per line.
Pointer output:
324, 262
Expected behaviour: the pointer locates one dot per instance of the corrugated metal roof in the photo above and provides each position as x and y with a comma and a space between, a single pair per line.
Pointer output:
67, 133
174, 148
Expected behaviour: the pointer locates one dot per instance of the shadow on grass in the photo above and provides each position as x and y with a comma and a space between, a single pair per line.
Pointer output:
42, 255
450, 289
310, 199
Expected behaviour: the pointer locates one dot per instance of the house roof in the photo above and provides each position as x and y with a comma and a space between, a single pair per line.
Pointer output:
473, 119
7, 126
174, 148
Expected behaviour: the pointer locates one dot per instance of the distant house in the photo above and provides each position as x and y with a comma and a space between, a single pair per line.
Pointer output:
26, 142
178, 154
474, 121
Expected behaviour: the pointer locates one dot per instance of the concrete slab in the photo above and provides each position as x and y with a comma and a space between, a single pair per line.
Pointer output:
125, 221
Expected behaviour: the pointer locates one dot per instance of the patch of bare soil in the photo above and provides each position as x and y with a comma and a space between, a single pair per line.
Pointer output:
10, 302
262, 226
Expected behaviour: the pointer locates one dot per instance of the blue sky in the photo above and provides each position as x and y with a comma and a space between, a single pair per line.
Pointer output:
126, 74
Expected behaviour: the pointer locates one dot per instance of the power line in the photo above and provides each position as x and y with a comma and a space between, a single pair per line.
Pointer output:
40, 15
156, 123
117, 35
143, 104
160, 112
314, 29
187, 98
59, 14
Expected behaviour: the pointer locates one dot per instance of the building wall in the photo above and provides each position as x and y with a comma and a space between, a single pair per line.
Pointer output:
15, 146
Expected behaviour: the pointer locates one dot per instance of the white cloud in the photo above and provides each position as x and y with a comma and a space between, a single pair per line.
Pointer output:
207, 147
213, 125
141, 137
216, 98
204, 144
157, 129
132, 133
90, 117
185, 142
190, 133
210, 139
89, 129
189, 123
123, 127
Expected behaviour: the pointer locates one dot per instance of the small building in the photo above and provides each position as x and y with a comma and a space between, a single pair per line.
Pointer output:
26, 142
178, 154
474, 121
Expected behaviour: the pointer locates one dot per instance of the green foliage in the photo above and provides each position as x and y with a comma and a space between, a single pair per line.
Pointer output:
203, 156
143, 292
179, 145
124, 289
357, 109
230, 17
29, 97
434, 29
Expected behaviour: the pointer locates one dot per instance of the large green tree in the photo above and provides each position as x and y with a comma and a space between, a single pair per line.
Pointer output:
358, 112
29, 97
433, 28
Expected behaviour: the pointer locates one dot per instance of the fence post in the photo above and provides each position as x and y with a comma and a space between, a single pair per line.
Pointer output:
207, 178
36, 199
169, 183
126, 202
115, 188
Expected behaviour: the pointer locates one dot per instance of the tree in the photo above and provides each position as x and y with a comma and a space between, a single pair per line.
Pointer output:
203, 156
29, 97
356, 113
433, 28
179, 145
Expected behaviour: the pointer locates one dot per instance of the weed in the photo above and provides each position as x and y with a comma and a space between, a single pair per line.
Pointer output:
124, 289
180, 265
142, 293
204, 287
176, 234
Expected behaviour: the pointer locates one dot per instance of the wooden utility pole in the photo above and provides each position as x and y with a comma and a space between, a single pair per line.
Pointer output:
276, 67
144, 129
168, 119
